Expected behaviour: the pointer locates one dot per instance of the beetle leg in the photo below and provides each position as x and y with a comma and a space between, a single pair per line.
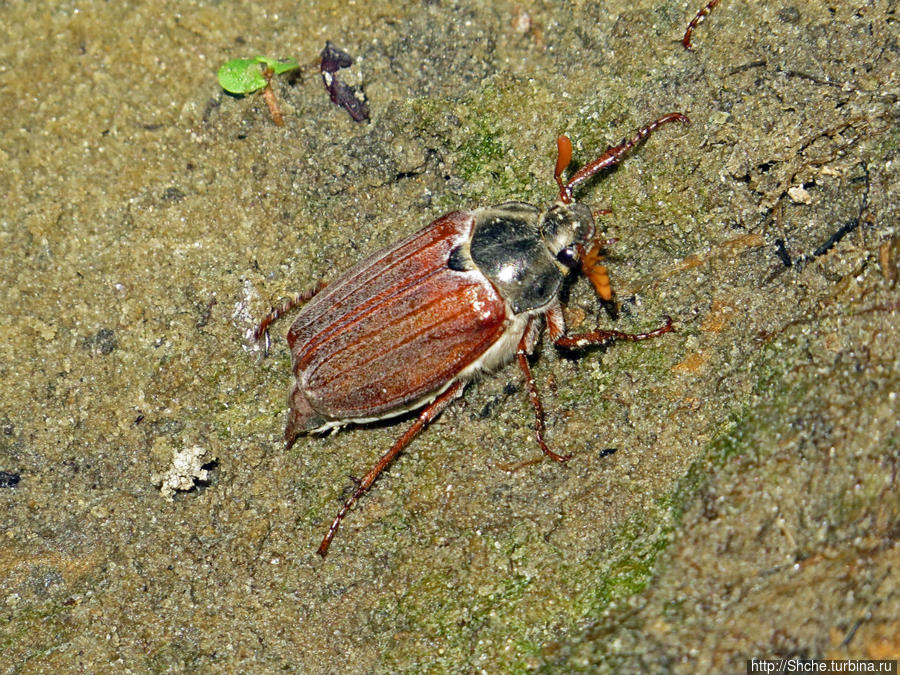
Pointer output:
522, 356
602, 337
431, 411
556, 322
277, 312
686, 40
614, 155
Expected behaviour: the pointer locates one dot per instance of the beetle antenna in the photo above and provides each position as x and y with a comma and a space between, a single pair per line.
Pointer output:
614, 154
596, 273
563, 158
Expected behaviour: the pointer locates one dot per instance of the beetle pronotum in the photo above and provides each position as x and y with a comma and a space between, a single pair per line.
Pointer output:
409, 326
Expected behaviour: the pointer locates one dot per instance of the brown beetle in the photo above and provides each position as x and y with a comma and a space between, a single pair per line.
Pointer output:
409, 326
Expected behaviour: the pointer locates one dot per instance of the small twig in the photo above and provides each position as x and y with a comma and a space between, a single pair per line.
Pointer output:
269, 97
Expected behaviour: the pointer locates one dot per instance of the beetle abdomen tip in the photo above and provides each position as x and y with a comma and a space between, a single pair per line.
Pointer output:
301, 417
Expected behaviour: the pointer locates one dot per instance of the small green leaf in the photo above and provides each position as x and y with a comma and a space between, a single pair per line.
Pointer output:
241, 76
279, 67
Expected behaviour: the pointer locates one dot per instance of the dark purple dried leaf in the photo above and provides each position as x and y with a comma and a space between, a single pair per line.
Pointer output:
333, 59
349, 98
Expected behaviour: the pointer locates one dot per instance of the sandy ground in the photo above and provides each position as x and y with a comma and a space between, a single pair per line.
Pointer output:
751, 508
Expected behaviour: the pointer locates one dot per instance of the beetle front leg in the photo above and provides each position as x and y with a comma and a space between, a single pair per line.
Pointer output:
614, 154
431, 411
522, 357
602, 337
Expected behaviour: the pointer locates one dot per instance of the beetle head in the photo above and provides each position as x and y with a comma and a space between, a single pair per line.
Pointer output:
566, 229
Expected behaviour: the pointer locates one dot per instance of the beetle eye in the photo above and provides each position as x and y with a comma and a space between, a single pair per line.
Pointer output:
568, 257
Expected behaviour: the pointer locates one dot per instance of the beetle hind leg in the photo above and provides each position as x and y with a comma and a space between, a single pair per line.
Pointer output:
262, 328
431, 411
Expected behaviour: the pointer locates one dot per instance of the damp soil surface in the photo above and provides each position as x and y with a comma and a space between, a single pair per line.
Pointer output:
733, 490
